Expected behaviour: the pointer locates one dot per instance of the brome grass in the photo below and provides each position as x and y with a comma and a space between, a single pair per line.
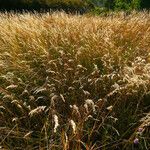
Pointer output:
74, 82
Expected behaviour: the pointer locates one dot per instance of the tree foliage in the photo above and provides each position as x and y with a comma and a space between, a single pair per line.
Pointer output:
127, 4
145, 4
67, 5
74, 5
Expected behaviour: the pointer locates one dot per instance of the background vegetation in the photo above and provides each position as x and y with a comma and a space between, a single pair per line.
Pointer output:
66, 5
74, 5
74, 82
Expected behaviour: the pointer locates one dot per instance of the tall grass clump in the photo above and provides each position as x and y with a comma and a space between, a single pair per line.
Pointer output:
74, 82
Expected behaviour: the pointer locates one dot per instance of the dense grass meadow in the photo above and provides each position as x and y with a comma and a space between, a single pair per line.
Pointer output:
72, 82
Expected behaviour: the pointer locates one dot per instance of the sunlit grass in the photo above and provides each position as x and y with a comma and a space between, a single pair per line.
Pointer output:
74, 82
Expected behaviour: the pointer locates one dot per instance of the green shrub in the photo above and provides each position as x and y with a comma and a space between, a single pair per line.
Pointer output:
127, 5
145, 4
67, 5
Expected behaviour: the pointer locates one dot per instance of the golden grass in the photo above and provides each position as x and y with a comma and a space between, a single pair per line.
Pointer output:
74, 82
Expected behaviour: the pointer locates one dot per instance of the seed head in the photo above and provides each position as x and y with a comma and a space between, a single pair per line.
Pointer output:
36, 111
56, 123
89, 103
73, 125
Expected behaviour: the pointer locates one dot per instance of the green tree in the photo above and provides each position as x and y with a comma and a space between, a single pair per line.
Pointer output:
127, 4
145, 4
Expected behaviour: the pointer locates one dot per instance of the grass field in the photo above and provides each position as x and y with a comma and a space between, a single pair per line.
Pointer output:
74, 82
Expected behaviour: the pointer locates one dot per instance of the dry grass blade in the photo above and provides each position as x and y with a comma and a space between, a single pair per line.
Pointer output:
74, 81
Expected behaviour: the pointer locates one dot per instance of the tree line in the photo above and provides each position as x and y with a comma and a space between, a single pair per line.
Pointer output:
74, 5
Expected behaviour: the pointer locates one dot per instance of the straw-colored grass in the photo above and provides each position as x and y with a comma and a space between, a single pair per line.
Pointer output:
74, 82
